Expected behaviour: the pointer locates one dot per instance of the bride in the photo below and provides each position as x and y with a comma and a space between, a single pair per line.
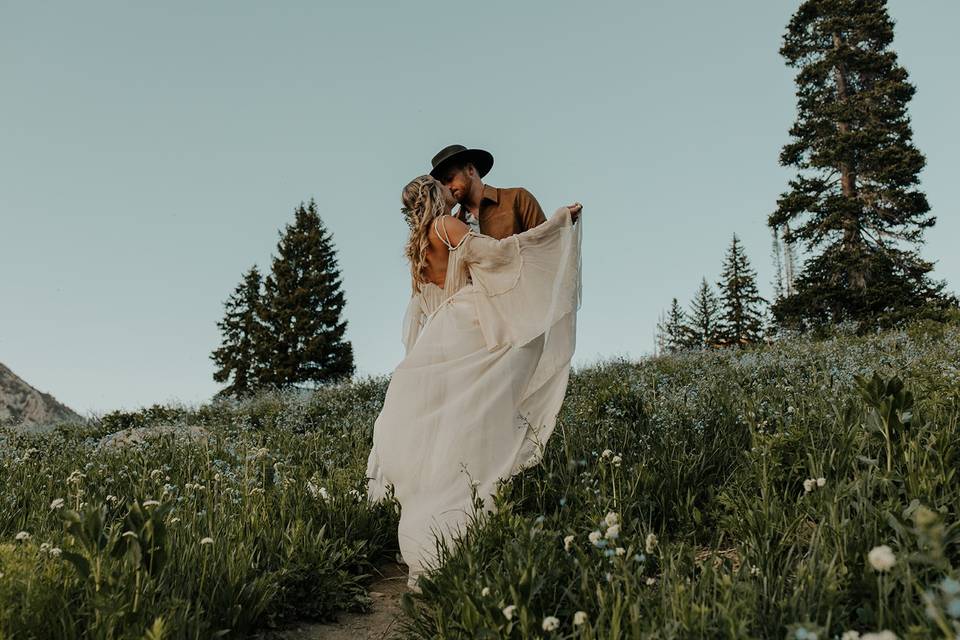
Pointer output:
489, 334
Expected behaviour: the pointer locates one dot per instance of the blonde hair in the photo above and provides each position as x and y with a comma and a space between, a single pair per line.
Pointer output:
423, 202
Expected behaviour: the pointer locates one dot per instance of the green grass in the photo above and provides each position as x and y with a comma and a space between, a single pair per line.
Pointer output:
132, 530
717, 534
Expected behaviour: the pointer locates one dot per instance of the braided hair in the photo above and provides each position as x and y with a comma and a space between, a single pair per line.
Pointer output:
423, 201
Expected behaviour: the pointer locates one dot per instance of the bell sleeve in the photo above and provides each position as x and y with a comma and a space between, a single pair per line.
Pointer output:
527, 283
413, 321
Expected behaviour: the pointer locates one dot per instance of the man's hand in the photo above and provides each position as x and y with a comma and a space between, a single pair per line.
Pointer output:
575, 210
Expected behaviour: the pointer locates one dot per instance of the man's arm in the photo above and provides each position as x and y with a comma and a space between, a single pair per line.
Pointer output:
528, 210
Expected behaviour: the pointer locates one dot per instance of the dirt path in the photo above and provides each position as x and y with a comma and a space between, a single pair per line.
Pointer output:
380, 624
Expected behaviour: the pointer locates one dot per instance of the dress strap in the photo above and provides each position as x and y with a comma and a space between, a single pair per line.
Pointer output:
441, 230
444, 237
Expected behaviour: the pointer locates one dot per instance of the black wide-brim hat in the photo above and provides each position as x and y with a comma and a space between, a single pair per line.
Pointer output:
457, 153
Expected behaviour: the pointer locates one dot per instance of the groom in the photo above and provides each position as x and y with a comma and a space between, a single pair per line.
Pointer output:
492, 211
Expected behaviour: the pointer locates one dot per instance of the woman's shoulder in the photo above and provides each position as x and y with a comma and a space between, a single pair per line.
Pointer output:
448, 231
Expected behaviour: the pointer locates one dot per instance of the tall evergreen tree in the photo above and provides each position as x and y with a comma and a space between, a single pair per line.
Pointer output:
659, 339
777, 255
741, 318
789, 264
704, 318
672, 331
303, 304
854, 203
238, 357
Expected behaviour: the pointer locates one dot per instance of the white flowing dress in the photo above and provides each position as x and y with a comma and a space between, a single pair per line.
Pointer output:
477, 395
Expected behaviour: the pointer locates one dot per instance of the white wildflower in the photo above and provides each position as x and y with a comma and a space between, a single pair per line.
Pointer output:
595, 537
809, 485
613, 532
508, 611
850, 635
56, 503
650, 544
611, 519
651, 582
567, 542
22, 536
607, 454
485, 592
754, 570
55, 552
579, 618
821, 481
551, 623
953, 608
317, 492
620, 551
950, 586
616, 461
881, 558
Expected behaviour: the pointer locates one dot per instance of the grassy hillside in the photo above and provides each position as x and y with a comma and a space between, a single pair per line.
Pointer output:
768, 493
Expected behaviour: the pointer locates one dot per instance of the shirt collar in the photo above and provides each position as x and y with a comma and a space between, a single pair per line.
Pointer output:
490, 193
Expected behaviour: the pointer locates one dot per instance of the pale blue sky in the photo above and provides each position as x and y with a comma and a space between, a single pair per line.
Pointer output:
150, 152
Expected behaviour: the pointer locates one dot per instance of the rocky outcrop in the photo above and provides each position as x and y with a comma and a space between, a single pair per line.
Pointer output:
22, 404
139, 436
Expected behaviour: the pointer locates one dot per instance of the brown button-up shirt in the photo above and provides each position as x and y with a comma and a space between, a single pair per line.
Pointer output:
506, 212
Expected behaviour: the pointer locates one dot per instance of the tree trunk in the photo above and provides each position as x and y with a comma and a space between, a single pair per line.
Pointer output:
852, 241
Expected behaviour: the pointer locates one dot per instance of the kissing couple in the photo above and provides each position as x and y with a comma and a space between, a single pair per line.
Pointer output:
489, 334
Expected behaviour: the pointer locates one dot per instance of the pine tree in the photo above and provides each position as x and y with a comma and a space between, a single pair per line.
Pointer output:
854, 204
303, 304
777, 255
704, 318
741, 318
672, 331
238, 358
659, 339
789, 264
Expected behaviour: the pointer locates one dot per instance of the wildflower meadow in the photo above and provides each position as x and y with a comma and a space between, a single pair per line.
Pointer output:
803, 490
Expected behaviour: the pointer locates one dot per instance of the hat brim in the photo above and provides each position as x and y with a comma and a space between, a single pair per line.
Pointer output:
482, 160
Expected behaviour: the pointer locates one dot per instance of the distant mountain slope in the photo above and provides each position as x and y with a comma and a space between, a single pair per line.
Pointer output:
21, 403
